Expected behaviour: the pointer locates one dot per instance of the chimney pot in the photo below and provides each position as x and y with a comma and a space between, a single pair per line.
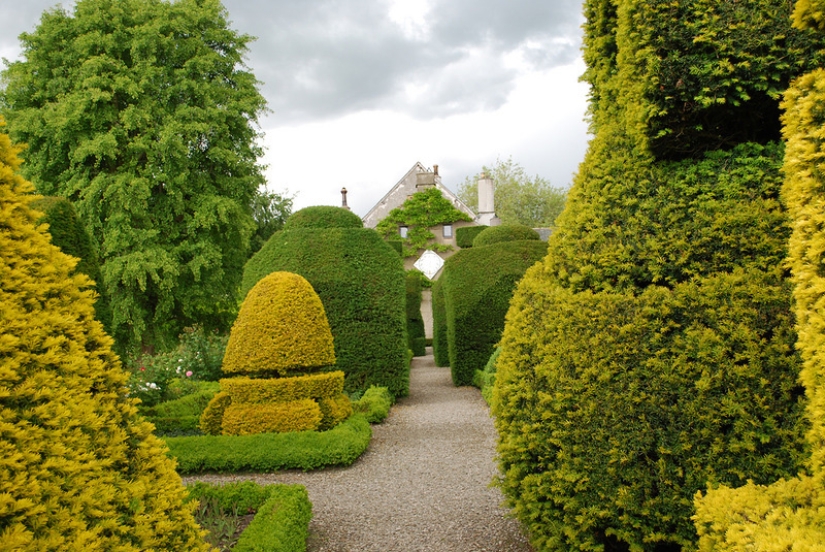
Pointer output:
344, 199
435, 170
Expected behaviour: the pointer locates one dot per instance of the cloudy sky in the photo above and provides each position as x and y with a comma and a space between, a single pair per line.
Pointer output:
361, 90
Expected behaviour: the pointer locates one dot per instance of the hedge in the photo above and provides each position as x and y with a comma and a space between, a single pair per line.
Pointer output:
264, 452
363, 296
323, 216
80, 468
180, 416
416, 338
504, 232
465, 235
283, 513
441, 351
375, 404
311, 386
478, 285
251, 418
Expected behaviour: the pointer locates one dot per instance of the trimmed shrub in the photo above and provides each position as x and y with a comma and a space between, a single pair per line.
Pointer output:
375, 404
416, 340
478, 285
364, 298
212, 417
441, 350
323, 216
265, 452
180, 416
465, 235
334, 410
313, 386
505, 232
486, 379
251, 418
281, 328
80, 468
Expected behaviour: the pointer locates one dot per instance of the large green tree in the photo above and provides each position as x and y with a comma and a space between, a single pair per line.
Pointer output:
143, 114
520, 198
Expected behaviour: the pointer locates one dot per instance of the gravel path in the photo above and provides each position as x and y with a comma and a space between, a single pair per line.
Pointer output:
422, 485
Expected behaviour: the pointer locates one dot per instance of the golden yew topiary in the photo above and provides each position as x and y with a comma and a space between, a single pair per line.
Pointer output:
281, 328
79, 470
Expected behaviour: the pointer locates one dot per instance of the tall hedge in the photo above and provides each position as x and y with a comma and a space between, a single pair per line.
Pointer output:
441, 350
79, 469
504, 232
465, 235
323, 216
477, 286
361, 282
664, 281
416, 338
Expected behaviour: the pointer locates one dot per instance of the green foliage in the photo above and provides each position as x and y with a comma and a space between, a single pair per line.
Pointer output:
519, 199
211, 422
262, 391
142, 114
419, 213
416, 340
323, 216
486, 379
441, 350
375, 404
264, 452
181, 416
253, 418
270, 211
465, 235
364, 298
281, 329
283, 513
478, 285
80, 468
505, 232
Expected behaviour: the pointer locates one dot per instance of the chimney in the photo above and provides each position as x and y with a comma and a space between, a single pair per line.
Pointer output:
486, 201
435, 170
344, 199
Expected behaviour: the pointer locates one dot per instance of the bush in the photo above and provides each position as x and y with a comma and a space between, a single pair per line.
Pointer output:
477, 286
181, 416
506, 232
441, 351
283, 513
416, 340
264, 452
334, 410
375, 404
211, 422
465, 235
323, 216
251, 418
80, 468
262, 391
486, 379
364, 298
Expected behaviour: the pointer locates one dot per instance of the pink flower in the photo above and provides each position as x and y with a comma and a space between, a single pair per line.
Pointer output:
142, 369
189, 373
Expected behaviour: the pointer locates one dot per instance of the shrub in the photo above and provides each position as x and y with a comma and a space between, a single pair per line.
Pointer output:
375, 404
323, 216
264, 452
478, 284
416, 340
180, 416
506, 232
465, 235
211, 420
486, 379
251, 418
441, 351
261, 391
363, 297
80, 468
334, 410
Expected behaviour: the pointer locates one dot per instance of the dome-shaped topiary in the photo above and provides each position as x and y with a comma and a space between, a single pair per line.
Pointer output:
79, 469
505, 232
323, 216
281, 328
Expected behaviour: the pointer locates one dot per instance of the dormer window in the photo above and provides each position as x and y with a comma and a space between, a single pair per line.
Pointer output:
448, 230
402, 231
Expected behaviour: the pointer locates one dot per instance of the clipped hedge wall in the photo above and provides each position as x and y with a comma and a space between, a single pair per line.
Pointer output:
264, 452
477, 286
465, 235
281, 328
323, 216
364, 298
261, 391
80, 468
416, 338
505, 232
441, 350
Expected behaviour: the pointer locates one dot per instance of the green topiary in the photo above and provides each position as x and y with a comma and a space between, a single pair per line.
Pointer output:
441, 350
477, 286
323, 216
281, 328
416, 339
364, 298
465, 235
375, 404
505, 232
79, 469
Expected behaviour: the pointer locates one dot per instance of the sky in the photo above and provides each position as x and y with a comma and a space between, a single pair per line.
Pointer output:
358, 91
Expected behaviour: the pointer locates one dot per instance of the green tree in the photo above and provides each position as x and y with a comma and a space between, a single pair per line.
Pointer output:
520, 199
142, 113
270, 211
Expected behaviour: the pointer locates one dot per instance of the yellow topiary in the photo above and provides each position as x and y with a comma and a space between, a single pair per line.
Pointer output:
212, 415
79, 469
334, 410
281, 328
314, 386
248, 419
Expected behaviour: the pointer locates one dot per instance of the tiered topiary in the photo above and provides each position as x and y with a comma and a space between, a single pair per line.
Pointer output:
79, 469
504, 232
416, 338
360, 280
279, 342
323, 216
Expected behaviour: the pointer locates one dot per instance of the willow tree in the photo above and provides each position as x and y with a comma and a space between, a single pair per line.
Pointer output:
143, 114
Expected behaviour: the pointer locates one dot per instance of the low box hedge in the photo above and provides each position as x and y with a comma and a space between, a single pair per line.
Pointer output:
375, 404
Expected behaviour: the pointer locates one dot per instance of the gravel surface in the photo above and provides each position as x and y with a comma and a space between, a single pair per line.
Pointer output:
422, 485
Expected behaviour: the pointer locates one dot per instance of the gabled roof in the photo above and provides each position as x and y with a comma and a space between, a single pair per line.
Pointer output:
406, 187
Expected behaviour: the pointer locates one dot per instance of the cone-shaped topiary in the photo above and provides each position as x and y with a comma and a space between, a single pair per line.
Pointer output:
79, 470
281, 328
